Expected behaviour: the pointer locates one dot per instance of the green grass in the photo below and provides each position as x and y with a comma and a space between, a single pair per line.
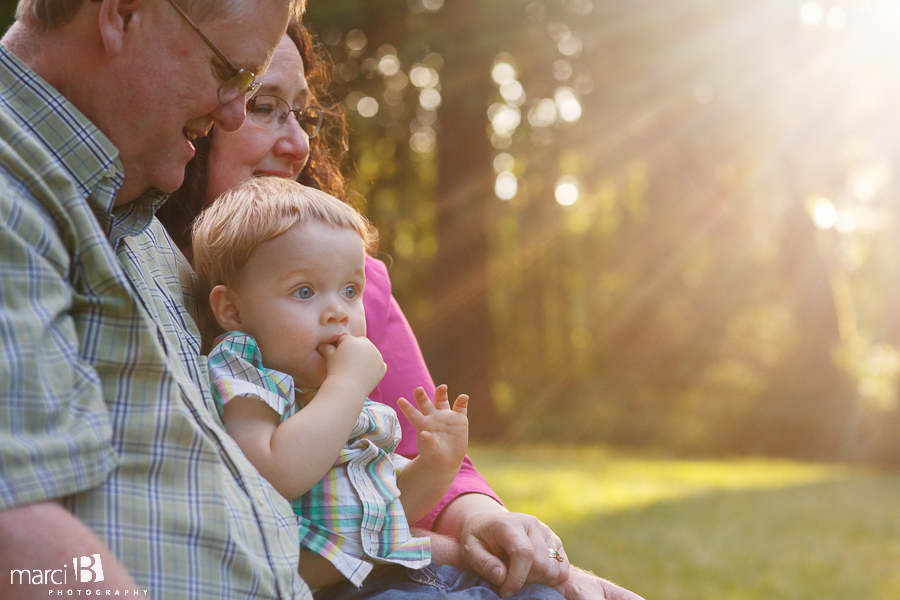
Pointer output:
726, 529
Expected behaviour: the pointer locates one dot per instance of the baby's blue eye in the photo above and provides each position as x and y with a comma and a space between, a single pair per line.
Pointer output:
351, 292
304, 292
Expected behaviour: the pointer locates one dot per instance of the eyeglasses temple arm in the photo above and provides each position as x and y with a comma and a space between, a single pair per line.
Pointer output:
203, 36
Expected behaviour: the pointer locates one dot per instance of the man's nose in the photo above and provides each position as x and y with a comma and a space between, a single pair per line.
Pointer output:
231, 116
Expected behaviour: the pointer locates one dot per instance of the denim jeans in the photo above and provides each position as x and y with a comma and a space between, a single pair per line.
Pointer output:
390, 582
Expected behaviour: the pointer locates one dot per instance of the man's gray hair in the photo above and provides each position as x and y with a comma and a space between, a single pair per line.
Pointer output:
44, 15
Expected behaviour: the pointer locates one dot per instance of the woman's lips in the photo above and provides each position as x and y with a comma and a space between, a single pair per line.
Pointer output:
274, 173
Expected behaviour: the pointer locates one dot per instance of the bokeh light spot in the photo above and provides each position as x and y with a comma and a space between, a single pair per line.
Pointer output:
389, 64
567, 104
811, 13
536, 12
424, 77
398, 81
356, 40
503, 72
513, 92
367, 106
543, 113
506, 186
423, 140
569, 45
824, 213
504, 162
505, 119
562, 69
430, 99
567, 191
434, 61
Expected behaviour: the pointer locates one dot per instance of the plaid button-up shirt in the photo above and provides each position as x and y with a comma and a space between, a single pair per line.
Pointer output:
353, 516
103, 395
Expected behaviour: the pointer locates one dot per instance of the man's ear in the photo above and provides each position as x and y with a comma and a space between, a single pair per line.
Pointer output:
225, 307
117, 18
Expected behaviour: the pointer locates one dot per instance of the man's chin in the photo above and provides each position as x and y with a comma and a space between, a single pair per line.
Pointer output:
171, 182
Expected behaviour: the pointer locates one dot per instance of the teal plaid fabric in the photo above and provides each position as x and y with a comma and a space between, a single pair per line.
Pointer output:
353, 516
236, 370
103, 395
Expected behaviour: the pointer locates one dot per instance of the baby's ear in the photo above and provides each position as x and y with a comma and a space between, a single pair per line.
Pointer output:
224, 305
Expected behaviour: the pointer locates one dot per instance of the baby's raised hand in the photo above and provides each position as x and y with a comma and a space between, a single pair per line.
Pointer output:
443, 432
355, 358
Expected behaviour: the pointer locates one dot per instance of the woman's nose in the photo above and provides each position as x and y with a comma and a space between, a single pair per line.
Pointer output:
293, 143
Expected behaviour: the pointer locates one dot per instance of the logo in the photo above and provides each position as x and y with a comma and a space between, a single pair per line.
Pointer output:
88, 569
91, 569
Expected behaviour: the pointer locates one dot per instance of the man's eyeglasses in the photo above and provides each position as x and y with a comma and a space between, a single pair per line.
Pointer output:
272, 112
240, 82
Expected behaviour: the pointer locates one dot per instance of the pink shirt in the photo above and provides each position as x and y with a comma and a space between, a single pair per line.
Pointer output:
389, 330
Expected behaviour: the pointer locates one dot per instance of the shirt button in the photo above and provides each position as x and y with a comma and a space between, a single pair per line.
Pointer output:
259, 497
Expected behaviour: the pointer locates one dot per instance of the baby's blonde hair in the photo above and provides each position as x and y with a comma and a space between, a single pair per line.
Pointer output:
228, 231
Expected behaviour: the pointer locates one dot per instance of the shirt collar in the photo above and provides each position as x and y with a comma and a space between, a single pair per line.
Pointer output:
134, 217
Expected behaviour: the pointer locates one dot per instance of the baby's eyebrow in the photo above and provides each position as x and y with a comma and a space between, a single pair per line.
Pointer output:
298, 274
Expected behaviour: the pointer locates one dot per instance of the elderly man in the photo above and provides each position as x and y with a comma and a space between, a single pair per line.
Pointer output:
115, 472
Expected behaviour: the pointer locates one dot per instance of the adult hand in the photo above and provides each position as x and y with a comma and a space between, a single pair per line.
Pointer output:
583, 585
486, 537
483, 519
44, 537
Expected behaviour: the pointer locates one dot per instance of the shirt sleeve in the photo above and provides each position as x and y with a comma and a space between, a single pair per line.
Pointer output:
389, 330
55, 428
236, 371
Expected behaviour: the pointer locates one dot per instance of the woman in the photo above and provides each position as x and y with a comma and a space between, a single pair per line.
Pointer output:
479, 531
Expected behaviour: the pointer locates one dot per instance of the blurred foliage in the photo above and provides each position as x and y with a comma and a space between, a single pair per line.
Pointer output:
639, 222
693, 222
7, 13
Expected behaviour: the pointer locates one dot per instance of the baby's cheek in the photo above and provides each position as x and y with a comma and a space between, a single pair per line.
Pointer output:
358, 323
320, 369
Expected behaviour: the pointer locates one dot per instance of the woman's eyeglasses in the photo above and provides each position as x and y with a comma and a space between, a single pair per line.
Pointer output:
272, 112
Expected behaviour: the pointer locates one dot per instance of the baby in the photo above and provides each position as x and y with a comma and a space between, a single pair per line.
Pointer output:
284, 268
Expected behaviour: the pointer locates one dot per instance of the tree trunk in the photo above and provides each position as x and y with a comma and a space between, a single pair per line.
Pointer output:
459, 344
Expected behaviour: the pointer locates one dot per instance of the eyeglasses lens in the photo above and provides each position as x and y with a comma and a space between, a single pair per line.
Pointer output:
310, 119
243, 82
272, 112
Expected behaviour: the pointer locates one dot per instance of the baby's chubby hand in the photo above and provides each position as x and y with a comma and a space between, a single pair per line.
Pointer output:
443, 432
354, 358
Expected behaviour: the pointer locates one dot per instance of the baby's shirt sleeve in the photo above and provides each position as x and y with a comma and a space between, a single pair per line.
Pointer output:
236, 370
